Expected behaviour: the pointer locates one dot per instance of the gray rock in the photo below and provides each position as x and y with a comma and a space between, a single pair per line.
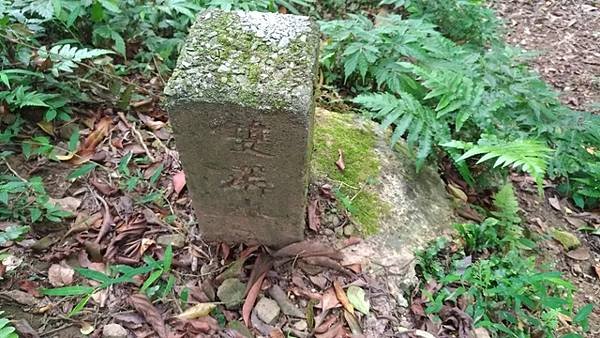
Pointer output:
231, 293
113, 331
267, 310
284, 303
417, 208
300, 325
241, 104
176, 240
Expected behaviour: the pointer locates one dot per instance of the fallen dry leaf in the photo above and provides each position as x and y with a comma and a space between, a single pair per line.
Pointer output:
314, 223
178, 182
30, 287
47, 127
86, 328
60, 275
150, 313
88, 148
307, 249
481, 332
225, 251
196, 311
329, 300
251, 298
555, 203
11, 262
277, 333
358, 299
576, 222
353, 323
457, 192
24, 329
579, 254
197, 327
335, 331
326, 324
20, 297
340, 162
341, 296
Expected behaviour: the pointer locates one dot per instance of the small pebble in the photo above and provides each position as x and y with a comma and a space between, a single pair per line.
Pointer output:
267, 310
300, 325
113, 331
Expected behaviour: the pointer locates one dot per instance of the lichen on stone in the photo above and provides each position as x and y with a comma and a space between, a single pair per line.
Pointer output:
265, 61
334, 132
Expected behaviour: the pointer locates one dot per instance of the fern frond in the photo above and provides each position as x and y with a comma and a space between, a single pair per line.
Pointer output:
65, 57
530, 156
453, 91
506, 205
409, 117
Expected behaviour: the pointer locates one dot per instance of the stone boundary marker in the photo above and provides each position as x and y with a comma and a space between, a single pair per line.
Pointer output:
241, 102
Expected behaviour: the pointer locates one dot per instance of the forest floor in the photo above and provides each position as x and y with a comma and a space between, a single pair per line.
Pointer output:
120, 218
564, 35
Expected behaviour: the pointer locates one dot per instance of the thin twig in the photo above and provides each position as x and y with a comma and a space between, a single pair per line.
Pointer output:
60, 328
158, 70
362, 186
137, 135
107, 219
13, 171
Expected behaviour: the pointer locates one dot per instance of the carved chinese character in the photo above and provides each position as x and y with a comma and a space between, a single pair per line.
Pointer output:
252, 139
247, 178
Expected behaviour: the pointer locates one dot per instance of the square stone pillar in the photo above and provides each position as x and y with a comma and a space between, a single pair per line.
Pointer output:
241, 102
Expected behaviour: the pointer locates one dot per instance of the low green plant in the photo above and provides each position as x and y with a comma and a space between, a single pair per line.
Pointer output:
13, 233
6, 329
25, 202
153, 286
442, 96
464, 21
504, 289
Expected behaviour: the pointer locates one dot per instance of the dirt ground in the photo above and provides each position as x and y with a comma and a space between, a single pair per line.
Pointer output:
580, 266
566, 34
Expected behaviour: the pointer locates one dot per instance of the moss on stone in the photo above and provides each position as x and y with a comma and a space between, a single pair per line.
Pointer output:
341, 131
256, 60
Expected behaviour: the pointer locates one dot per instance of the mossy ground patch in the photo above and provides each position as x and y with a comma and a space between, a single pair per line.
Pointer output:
334, 132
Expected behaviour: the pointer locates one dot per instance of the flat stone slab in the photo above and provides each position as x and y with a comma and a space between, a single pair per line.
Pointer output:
415, 206
241, 104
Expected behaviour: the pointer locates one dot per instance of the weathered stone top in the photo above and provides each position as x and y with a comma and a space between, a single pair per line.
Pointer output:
258, 60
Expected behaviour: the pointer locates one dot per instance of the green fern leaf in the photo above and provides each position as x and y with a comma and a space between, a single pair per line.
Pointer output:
65, 58
411, 119
530, 156
507, 206
358, 56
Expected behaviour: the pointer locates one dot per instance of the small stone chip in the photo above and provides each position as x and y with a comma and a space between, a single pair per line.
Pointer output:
267, 310
176, 240
113, 331
231, 292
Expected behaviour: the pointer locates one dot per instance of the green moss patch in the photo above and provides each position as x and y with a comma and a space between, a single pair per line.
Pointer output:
354, 185
224, 61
